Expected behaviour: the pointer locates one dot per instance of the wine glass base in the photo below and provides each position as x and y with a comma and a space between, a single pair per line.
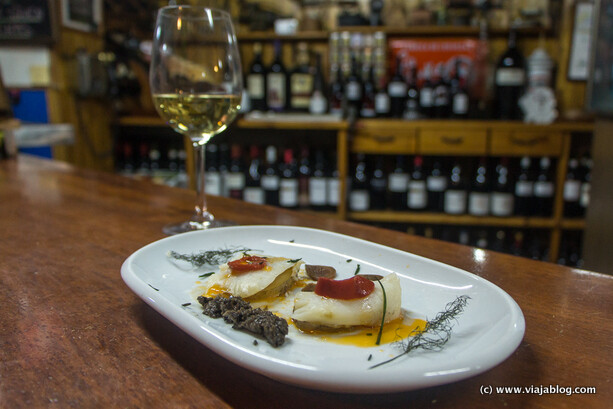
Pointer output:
172, 229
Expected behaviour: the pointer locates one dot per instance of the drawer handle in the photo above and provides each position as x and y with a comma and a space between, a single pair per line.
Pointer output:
384, 138
452, 140
528, 142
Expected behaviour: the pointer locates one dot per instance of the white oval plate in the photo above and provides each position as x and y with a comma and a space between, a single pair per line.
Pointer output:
487, 332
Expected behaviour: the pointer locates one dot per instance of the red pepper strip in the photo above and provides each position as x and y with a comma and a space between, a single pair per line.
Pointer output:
349, 289
247, 263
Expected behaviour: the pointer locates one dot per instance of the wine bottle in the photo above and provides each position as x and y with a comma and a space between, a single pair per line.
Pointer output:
382, 100
397, 90
353, 88
276, 83
479, 196
337, 92
256, 80
502, 198
544, 189
411, 107
509, 81
318, 183
359, 196
304, 174
254, 193
500, 243
456, 193
288, 184
440, 91
398, 182
436, 185
586, 184
270, 178
426, 94
417, 199
368, 96
318, 103
572, 190
524, 189
235, 179
223, 167
378, 185
459, 97
332, 184
301, 81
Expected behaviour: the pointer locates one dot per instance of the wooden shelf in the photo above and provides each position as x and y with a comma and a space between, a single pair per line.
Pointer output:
572, 224
389, 216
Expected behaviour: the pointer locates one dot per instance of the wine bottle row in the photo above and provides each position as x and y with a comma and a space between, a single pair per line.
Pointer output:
500, 187
286, 177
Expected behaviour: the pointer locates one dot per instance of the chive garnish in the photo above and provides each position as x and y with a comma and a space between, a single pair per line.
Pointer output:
357, 270
156, 289
205, 275
186, 304
384, 312
294, 261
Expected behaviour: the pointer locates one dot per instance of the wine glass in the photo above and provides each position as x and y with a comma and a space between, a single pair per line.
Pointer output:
196, 84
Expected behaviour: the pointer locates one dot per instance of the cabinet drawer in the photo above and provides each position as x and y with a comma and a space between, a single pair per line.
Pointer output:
453, 142
385, 140
531, 143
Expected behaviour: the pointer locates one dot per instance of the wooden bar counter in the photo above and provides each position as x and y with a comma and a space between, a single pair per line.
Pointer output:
72, 334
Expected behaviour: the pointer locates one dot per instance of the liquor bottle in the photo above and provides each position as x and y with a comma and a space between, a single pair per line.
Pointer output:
479, 196
353, 89
524, 189
359, 196
224, 164
417, 198
276, 83
436, 184
398, 182
332, 184
586, 185
256, 80
304, 174
543, 189
369, 92
318, 103
440, 91
411, 107
212, 177
337, 92
318, 183
270, 177
397, 90
382, 100
456, 194
288, 184
572, 190
235, 179
378, 185
509, 81
502, 198
301, 81
426, 94
254, 193
459, 97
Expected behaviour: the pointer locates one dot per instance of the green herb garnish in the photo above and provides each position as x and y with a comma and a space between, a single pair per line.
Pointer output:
357, 270
349, 260
384, 312
207, 257
187, 304
205, 275
294, 260
156, 289
436, 332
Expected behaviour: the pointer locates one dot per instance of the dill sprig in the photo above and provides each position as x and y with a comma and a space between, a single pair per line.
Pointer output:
207, 257
436, 333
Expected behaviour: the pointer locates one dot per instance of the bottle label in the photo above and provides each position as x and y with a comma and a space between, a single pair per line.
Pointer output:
478, 203
510, 77
397, 89
235, 181
359, 200
254, 195
354, 91
460, 104
524, 188
317, 104
288, 192
584, 201
455, 202
502, 204
270, 182
382, 103
441, 97
426, 97
301, 86
255, 86
543, 189
333, 191
317, 191
275, 95
572, 190
437, 183
418, 197
212, 183
398, 182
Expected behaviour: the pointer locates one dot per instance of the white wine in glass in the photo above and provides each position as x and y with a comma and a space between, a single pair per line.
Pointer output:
196, 85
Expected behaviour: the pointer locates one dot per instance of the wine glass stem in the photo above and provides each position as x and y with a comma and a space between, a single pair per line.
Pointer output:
202, 214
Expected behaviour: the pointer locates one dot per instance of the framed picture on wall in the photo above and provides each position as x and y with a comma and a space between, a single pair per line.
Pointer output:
83, 15
600, 84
